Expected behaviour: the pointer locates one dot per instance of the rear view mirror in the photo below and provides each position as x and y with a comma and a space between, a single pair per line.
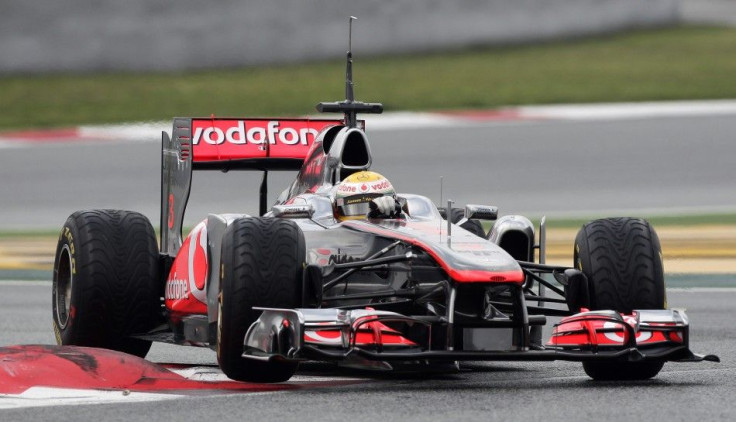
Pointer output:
481, 212
292, 211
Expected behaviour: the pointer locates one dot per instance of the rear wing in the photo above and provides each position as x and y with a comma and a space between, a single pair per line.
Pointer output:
226, 144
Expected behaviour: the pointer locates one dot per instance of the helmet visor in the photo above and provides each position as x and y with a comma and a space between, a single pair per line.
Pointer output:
356, 205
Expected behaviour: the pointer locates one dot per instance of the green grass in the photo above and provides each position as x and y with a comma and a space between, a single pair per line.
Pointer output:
28, 233
668, 64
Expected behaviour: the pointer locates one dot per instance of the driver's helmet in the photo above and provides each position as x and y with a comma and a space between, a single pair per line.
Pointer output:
355, 192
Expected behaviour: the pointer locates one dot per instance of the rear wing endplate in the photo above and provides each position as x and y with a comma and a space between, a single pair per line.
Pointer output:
226, 144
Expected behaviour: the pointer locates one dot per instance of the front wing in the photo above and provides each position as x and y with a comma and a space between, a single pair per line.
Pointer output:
380, 336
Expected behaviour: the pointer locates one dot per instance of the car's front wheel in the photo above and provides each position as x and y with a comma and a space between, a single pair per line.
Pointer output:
622, 260
261, 265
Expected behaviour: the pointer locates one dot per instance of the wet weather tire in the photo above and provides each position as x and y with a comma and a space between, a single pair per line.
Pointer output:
261, 265
622, 260
457, 214
105, 282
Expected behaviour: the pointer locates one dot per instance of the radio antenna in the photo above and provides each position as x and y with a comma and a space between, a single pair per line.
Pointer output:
349, 94
350, 108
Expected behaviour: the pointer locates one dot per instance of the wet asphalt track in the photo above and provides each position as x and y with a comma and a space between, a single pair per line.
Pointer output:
557, 167
481, 391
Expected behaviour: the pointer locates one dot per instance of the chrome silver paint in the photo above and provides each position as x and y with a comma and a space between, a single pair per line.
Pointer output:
449, 222
325, 164
420, 207
293, 211
451, 316
481, 212
514, 223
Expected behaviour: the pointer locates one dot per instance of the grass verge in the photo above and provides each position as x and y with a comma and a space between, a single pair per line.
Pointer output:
667, 64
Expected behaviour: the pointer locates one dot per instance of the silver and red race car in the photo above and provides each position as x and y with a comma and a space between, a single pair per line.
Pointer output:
424, 288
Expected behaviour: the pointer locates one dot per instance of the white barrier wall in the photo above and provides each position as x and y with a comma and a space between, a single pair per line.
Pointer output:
86, 35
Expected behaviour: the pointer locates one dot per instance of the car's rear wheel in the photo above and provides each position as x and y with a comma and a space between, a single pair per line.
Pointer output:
261, 265
457, 214
622, 260
105, 282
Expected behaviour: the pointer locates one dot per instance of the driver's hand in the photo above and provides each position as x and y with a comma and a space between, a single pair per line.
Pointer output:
384, 207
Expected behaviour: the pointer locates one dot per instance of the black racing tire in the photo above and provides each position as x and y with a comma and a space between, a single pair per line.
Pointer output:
622, 259
622, 371
457, 214
105, 281
262, 263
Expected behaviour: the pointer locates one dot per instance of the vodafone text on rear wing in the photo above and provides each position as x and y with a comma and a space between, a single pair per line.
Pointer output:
259, 144
226, 144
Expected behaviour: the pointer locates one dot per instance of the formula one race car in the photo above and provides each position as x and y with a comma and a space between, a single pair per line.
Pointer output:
331, 273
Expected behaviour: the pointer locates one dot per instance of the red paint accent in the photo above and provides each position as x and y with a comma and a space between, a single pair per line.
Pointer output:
171, 211
486, 115
322, 335
217, 139
593, 331
200, 262
373, 338
369, 334
179, 296
479, 276
371, 331
88, 368
44, 136
676, 336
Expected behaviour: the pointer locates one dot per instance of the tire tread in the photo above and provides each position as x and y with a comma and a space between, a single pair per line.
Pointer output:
117, 273
262, 261
622, 259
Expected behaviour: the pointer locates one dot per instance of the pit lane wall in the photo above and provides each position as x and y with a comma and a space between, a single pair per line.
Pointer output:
92, 35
